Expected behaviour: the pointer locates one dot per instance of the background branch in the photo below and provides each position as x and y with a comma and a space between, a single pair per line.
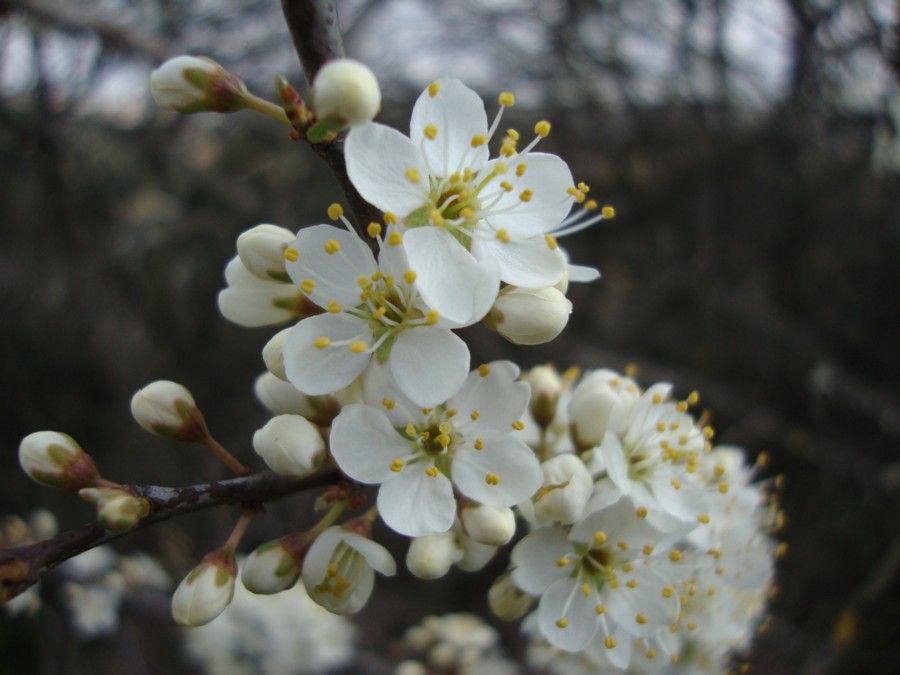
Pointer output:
23, 566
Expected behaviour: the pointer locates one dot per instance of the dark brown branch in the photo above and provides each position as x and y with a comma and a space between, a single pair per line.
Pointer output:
23, 566
317, 39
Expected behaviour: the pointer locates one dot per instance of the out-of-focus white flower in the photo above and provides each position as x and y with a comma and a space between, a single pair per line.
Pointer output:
168, 409
290, 445
207, 590
432, 556
283, 634
346, 91
191, 84
457, 643
507, 601
261, 250
456, 202
56, 460
419, 455
526, 316
339, 569
488, 525
375, 315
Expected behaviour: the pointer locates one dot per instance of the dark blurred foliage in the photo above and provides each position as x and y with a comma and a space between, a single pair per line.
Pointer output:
755, 257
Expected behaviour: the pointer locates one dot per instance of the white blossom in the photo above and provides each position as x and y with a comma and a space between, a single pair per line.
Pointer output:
346, 90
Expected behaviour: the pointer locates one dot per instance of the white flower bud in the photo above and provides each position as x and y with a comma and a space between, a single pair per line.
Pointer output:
261, 249
488, 525
347, 91
56, 460
507, 601
117, 510
527, 316
206, 591
566, 490
546, 386
275, 566
168, 409
474, 555
431, 556
273, 354
601, 402
282, 398
190, 84
251, 301
290, 445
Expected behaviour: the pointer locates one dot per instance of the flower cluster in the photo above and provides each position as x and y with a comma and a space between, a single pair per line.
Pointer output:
649, 545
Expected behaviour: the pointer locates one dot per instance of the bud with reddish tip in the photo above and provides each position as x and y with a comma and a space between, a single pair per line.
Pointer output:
207, 590
56, 460
168, 409
192, 84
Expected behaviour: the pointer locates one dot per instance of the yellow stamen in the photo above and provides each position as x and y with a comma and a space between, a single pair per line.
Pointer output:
307, 286
521, 169
609, 642
358, 347
492, 479
432, 317
479, 444
507, 99
430, 132
335, 211
431, 472
518, 425
484, 370
373, 229
333, 307
291, 254
503, 235
395, 238
526, 195
608, 212
412, 175
433, 89
409, 276
478, 140
397, 465
390, 218
332, 247
322, 342
542, 128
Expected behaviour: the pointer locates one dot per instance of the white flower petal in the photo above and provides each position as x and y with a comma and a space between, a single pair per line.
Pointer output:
527, 263
429, 364
334, 274
376, 555
458, 114
646, 598
415, 504
615, 462
448, 277
583, 274
364, 443
509, 460
498, 399
323, 371
315, 565
565, 600
547, 177
536, 559
378, 159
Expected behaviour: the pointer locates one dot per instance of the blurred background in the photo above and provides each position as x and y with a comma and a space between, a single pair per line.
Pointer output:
750, 148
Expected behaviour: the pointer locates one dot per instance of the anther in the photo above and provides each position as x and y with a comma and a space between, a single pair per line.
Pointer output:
479, 444
474, 415
590, 205
388, 403
332, 247
432, 317
526, 195
641, 619
648, 549
307, 286
503, 235
641, 512
600, 609
335, 211
322, 342
562, 562
608, 212
551, 242
632, 583
478, 140
703, 518
507, 99
430, 132
675, 555
562, 622
395, 238
518, 425
397, 465
291, 254
358, 347
373, 229
333, 307
431, 471
412, 175
433, 89
390, 218
506, 185
609, 642
599, 537
492, 479
484, 370
542, 128
521, 169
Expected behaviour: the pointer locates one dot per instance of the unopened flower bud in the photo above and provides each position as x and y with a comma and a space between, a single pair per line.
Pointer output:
251, 301
566, 490
601, 402
488, 525
207, 590
474, 555
527, 316
283, 398
546, 386
261, 249
273, 354
507, 601
431, 556
117, 510
168, 409
56, 460
191, 84
346, 91
290, 445
275, 566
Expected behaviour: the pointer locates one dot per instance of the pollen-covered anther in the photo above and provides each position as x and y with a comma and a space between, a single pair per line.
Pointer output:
562, 622
641, 512
432, 317
650, 653
648, 549
431, 472
623, 545
675, 483
608, 212
436, 217
506, 186
575, 192
542, 128
526, 195
641, 619
433, 89
609, 642
390, 218
484, 370
586, 590
379, 313
307, 286
518, 425
321, 343
478, 140
668, 591
479, 444
411, 430
492, 479
675, 555
590, 205
394, 238
551, 242
412, 175
291, 254
507, 99
331, 247
562, 562
430, 132
656, 400
703, 519
599, 538
503, 235
335, 211
358, 347
397, 465
443, 440
466, 213
600, 609
333, 307
723, 488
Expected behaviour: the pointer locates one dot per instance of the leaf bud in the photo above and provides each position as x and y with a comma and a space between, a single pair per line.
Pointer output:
56, 460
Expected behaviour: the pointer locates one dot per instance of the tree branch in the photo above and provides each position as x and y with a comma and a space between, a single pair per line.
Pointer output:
23, 566
317, 38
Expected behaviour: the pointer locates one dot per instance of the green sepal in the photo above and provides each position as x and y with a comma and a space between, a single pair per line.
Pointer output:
421, 216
